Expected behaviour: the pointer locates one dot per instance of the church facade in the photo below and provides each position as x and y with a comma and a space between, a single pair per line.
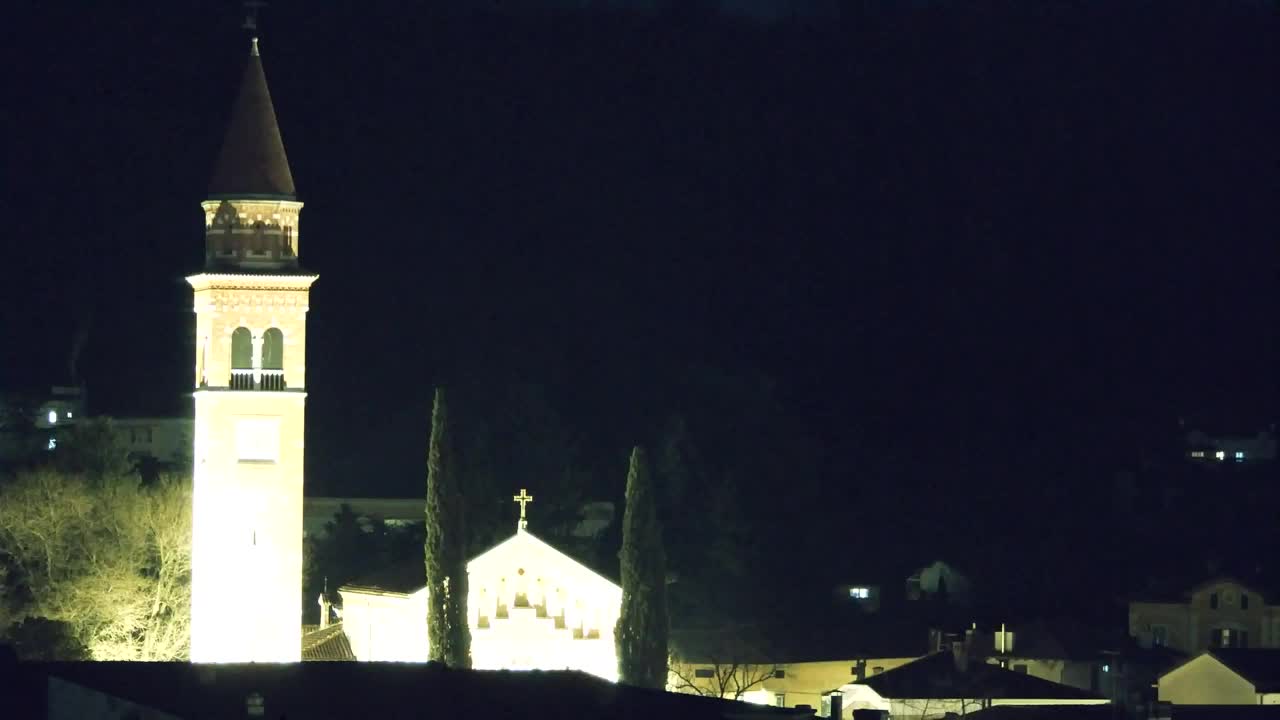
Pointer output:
251, 301
529, 607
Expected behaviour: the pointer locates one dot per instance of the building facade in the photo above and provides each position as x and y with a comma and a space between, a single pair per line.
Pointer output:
251, 302
1221, 613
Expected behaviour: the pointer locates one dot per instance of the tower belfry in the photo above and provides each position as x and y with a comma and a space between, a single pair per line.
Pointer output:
251, 302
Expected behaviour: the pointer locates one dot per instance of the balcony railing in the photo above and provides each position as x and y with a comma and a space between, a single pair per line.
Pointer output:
249, 379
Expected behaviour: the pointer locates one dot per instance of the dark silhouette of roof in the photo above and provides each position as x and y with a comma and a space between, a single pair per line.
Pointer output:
252, 162
406, 578
1260, 666
940, 676
1225, 712
357, 689
1048, 712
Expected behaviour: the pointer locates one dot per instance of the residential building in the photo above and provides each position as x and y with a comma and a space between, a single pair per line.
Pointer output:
955, 682
166, 441
1221, 613
1224, 676
1228, 448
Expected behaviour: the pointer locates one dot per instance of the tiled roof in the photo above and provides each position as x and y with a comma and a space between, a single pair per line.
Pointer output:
328, 644
938, 676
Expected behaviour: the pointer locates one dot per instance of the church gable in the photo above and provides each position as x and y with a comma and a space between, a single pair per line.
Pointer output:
526, 551
530, 606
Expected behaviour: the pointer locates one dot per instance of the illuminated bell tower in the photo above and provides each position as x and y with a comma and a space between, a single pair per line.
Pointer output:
251, 307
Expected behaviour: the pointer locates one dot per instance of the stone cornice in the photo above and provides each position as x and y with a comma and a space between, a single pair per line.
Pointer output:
244, 281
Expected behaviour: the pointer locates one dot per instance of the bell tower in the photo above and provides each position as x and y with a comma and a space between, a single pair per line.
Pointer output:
251, 304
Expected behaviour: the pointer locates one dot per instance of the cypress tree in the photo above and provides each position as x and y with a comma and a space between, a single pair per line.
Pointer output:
447, 629
641, 633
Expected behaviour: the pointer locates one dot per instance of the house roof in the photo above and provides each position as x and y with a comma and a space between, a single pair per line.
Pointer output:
938, 676
326, 644
1260, 666
1225, 712
345, 690
1047, 712
252, 162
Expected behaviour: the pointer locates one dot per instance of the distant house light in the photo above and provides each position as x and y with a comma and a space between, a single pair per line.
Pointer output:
53, 417
859, 593
1197, 453
1220, 455
1239, 454
69, 415
53, 443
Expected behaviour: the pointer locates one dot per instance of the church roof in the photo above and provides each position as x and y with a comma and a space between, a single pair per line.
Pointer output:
403, 578
409, 577
252, 162
326, 644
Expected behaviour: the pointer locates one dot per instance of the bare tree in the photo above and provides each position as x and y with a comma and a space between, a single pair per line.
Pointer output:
725, 662
109, 558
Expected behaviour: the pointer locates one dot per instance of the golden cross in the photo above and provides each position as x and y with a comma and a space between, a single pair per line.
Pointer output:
523, 498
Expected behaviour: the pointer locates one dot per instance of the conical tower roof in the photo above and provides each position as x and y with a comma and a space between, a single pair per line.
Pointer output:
252, 162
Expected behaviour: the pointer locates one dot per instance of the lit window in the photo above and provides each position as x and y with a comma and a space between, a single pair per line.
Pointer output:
53, 443
1220, 455
1106, 668
69, 415
53, 416
1197, 453
1239, 454
859, 593
780, 699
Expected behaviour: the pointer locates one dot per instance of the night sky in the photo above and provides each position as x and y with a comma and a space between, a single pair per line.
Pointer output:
982, 252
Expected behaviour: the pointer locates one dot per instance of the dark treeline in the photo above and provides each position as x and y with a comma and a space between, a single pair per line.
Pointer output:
907, 276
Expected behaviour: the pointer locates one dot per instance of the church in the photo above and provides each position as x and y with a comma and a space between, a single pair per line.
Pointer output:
530, 606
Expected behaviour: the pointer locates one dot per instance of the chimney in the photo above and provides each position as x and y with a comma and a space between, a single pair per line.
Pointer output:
960, 654
837, 705
324, 610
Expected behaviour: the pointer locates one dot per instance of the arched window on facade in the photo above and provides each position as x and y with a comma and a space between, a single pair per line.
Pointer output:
259, 238
273, 349
273, 359
242, 359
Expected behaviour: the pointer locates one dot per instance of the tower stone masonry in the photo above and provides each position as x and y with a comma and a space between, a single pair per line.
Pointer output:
251, 302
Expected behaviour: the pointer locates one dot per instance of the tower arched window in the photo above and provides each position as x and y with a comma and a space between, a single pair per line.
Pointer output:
273, 349
259, 238
242, 359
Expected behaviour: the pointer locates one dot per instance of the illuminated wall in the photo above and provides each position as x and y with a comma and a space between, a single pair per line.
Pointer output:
799, 683
529, 606
1204, 680
248, 457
